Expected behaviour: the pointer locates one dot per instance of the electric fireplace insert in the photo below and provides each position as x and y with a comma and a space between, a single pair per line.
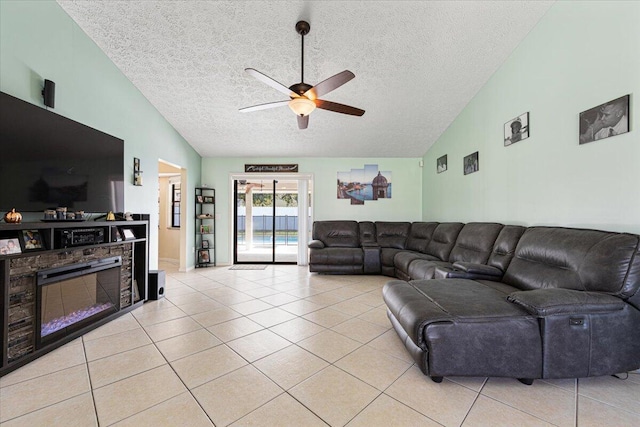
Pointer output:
71, 297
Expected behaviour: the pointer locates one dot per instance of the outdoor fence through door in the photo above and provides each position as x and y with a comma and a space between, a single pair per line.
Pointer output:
266, 221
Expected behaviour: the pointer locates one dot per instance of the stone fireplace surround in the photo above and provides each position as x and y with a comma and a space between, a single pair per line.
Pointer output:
18, 297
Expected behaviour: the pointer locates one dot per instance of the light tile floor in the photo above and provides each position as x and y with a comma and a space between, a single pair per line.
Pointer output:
279, 347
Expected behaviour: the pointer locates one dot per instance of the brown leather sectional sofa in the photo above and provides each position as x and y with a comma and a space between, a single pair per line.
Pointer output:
486, 299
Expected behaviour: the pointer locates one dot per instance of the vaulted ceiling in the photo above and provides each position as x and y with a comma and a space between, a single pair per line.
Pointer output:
417, 64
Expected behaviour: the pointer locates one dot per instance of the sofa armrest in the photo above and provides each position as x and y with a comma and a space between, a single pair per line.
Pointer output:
480, 269
315, 244
545, 302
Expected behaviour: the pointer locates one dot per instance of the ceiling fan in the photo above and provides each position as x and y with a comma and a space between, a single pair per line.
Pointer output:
304, 98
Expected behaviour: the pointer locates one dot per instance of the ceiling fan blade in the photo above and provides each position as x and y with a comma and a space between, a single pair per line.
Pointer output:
303, 122
269, 81
329, 84
264, 106
338, 108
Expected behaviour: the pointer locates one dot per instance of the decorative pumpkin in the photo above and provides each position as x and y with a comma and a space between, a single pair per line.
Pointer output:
13, 217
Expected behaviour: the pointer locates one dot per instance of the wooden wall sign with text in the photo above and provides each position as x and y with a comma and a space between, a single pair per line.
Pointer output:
271, 168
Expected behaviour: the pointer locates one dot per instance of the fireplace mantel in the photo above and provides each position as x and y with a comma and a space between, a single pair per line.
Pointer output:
59, 245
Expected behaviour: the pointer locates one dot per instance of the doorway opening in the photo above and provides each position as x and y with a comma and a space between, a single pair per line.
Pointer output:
172, 214
271, 219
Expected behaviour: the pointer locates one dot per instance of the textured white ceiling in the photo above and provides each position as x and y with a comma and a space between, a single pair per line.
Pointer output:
417, 65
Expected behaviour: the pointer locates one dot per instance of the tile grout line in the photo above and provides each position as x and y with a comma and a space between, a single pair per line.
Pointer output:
175, 373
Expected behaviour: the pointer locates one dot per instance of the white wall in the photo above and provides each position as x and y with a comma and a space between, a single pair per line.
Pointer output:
405, 204
580, 55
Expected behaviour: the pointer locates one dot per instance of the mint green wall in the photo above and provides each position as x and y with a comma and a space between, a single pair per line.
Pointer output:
39, 40
404, 205
580, 55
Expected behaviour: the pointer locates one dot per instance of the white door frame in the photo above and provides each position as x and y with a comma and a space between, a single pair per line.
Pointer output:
305, 183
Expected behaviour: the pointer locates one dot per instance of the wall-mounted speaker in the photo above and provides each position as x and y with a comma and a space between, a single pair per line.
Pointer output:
49, 93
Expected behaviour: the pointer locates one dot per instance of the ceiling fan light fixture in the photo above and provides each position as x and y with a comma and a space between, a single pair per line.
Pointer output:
302, 106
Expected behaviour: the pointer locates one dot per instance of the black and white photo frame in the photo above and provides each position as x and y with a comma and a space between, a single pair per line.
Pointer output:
471, 163
441, 164
516, 129
605, 120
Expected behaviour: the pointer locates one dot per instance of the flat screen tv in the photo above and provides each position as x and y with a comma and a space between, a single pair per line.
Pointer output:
49, 161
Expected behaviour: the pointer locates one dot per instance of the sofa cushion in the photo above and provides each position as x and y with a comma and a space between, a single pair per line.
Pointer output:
466, 327
443, 240
337, 234
475, 242
420, 235
392, 234
337, 256
505, 246
367, 232
587, 260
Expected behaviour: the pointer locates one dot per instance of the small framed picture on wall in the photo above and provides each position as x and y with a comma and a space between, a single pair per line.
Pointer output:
471, 163
441, 164
605, 120
516, 130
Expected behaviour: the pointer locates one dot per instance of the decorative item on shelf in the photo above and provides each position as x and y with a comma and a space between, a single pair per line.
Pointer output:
205, 216
205, 244
10, 246
208, 199
128, 216
61, 213
199, 199
128, 234
31, 240
203, 256
137, 173
13, 217
111, 216
205, 229
80, 215
49, 214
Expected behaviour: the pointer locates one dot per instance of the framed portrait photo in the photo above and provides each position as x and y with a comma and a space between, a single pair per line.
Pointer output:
605, 120
127, 234
199, 199
516, 129
10, 246
471, 163
441, 164
203, 256
205, 244
31, 240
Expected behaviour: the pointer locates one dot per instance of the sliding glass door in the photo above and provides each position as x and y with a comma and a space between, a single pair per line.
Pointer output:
266, 221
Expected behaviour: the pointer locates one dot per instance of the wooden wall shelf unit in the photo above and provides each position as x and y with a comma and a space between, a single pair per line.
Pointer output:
69, 246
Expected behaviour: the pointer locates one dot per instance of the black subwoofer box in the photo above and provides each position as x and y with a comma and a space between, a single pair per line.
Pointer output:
156, 284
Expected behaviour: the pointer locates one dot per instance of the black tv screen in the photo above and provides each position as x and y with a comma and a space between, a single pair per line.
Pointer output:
49, 161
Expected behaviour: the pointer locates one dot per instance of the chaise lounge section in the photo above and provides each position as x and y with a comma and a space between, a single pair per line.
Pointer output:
510, 301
